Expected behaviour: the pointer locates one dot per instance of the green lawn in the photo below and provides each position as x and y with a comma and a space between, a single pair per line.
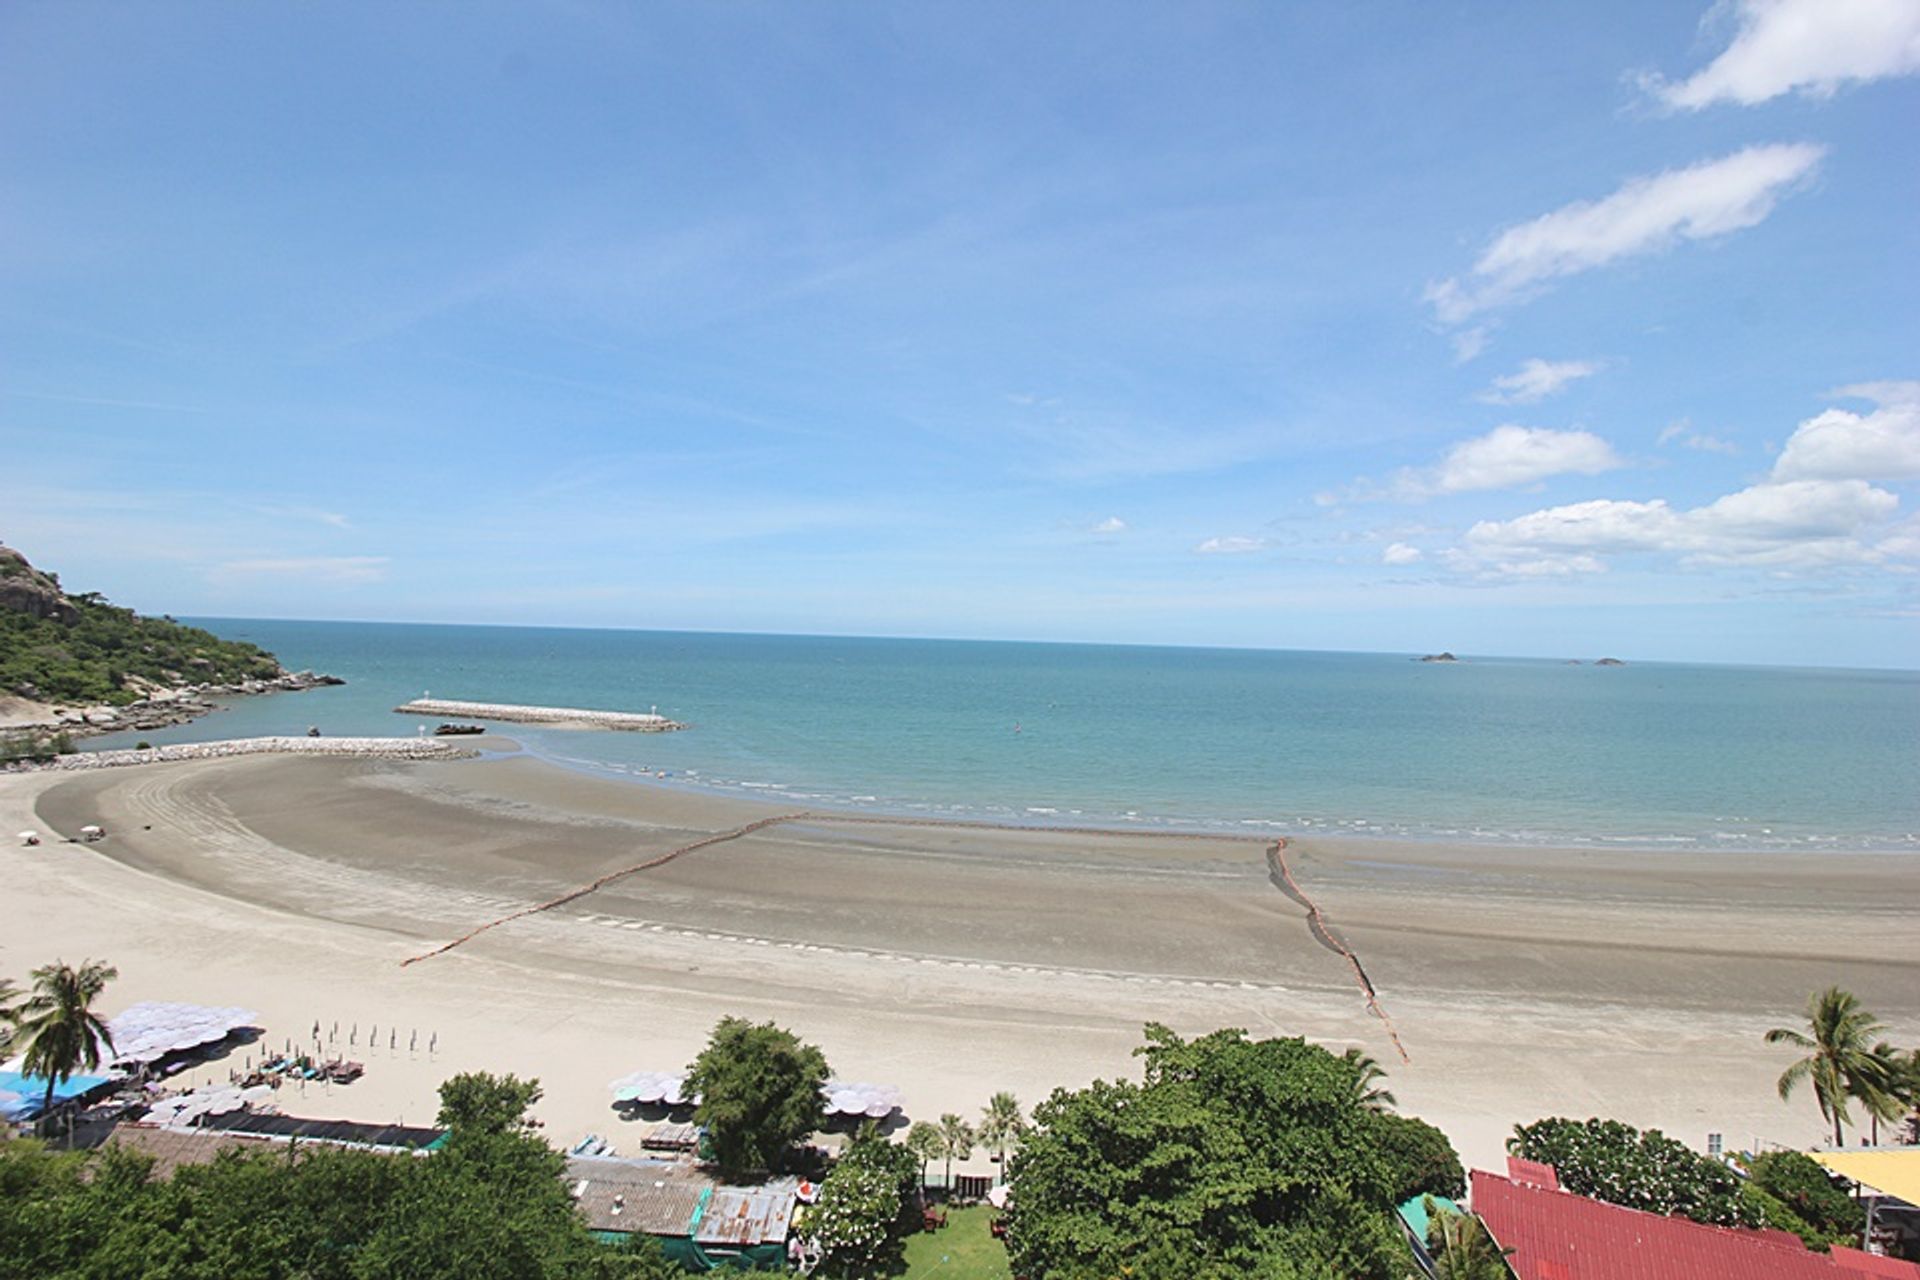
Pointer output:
964, 1249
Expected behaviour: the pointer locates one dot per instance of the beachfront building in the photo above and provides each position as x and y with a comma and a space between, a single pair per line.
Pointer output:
1556, 1235
172, 1146
1890, 1179
701, 1223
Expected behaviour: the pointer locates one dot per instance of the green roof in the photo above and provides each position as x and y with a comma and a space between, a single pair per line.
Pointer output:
1414, 1212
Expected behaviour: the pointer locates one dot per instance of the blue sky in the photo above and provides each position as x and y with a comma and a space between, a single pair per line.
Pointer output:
1550, 329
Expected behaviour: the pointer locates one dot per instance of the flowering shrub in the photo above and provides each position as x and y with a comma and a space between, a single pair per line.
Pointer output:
1617, 1163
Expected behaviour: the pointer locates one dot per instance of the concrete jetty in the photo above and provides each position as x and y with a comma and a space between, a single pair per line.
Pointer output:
362, 748
631, 721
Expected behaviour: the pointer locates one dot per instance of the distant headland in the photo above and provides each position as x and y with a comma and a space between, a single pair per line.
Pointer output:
75, 664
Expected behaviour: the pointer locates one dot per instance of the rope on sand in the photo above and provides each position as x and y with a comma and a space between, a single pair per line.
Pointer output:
1278, 872
605, 880
1282, 876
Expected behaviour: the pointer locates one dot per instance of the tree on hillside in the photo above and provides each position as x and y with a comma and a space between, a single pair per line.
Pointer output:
1232, 1157
1841, 1064
60, 1034
924, 1140
761, 1091
956, 1143
1366, 1075
1001, 1124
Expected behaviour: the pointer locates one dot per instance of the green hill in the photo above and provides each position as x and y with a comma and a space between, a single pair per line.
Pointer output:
64, 649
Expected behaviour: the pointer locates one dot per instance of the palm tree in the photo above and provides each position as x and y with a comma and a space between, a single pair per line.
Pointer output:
1001, 1125
956, 1142
1886, 1087
58, 1026
1462, 1249
9, 993
924, 1140
1365, 1072
1842, 1063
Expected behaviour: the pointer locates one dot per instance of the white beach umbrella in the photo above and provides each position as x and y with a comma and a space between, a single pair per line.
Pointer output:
849, 1102
879, 1109
29, 837
998, 1196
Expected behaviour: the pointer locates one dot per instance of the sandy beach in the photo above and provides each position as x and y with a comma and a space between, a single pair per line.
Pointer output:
953, 961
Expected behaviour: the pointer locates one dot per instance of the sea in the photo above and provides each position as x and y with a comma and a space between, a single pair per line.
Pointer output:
1487, 749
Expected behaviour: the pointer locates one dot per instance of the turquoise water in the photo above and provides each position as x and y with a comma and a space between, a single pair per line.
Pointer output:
1489, 749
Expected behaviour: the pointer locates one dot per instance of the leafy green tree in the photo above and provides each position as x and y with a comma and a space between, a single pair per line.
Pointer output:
924, 1141
58, 1029
1841, 1064
1231, 1158
1419, 1158
478, 1101
1798, 1182
1366, 1077
956, 1142
1001, 1124
761, 1091
1615, 1162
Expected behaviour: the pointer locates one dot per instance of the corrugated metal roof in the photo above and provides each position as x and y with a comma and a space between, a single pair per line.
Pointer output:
748, 1215
664, 1198
1556, 1235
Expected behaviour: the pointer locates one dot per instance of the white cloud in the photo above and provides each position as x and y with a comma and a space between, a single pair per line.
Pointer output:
1800, 524
335, 570
1469, 343
1232, 544
1682, 433
1702, 202
1813, 46
1111, 525
1537, 379
1400, 553
1881, 445
1508, 456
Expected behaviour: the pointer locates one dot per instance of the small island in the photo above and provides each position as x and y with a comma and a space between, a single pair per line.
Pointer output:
75, 664
1609, 662
1439, 657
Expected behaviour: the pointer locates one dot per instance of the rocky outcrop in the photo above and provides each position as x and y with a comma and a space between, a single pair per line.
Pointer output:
163, 707
1439, 657
1609, 662
24, 589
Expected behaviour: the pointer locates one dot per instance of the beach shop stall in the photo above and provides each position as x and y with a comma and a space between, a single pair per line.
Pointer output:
702, 1224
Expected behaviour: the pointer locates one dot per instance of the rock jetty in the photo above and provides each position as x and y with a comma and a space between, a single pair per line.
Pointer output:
362, 748
630, 721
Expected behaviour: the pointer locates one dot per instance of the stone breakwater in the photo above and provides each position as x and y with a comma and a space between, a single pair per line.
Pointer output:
363, 748
631, 721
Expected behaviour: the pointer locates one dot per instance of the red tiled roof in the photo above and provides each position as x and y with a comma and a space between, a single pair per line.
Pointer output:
1556, 1235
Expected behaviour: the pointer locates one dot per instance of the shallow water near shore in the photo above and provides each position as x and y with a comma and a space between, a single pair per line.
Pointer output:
1488, 749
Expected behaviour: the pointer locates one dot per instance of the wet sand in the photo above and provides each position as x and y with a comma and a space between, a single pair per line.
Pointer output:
954, 961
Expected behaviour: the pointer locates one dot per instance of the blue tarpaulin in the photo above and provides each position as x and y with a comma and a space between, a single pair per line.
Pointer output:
21, 1095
